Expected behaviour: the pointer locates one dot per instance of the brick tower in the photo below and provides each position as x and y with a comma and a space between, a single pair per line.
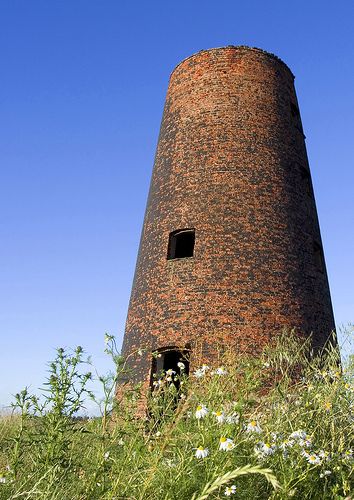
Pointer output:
231, 249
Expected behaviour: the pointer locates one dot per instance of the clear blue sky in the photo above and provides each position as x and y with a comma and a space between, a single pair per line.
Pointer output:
82, 89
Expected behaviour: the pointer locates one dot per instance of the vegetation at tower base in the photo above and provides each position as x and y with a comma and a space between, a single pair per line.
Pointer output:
277, 426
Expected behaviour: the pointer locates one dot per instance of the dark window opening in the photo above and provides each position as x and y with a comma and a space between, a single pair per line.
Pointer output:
169, 358
294, 110
319, 257
306, 179
181, 244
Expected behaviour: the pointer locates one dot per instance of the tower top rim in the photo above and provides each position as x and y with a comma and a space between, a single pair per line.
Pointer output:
245, 48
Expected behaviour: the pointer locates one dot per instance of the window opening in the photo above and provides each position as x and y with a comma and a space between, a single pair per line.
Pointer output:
181, 244
169, 358
319, 257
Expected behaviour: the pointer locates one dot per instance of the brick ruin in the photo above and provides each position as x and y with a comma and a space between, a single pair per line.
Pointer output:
230, 251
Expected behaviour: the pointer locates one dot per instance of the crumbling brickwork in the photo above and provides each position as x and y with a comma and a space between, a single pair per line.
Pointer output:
231, 164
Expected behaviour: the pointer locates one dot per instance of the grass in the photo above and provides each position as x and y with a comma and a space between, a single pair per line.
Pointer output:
278, 426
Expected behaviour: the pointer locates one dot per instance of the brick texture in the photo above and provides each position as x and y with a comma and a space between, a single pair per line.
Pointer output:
231, 163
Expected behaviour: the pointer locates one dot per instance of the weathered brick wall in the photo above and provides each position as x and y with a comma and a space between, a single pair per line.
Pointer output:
231, 162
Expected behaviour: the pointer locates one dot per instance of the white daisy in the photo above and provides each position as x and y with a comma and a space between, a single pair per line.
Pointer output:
201, 411
299, 434
312, 458
181, 365
230, 490
169, 374
226, 444
220, 416
253, 427
201, 452
324, 455
233, 418
220, 371
264, 449
305, 443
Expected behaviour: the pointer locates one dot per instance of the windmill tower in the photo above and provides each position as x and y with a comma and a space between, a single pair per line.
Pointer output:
231, 249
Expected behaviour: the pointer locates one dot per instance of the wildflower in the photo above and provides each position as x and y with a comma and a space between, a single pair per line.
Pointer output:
325, 473
169, 375
324, 455
253, 427
233, 418
205, 368
220, 371
181, 365
304, 443
287, 443
264, 449
220, 416
299, 434
327, 405
230, 490
158, 434
199, 373
140, 352
157, 383
3, 479
348, 454
226, 444
312, 458
106, 455
201, 411
266, 364
201, 452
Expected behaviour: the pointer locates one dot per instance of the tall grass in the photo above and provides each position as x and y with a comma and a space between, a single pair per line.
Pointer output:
278, 426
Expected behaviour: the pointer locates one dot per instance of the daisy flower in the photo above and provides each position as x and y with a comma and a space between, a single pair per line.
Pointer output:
312, 458
220, 416
226, 444
264, 449
230, 490
181, 365
220, 371
233, 418
253, 427
201, 452
201, 411
299, 434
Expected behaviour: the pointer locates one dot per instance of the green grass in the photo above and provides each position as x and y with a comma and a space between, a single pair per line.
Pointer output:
285, 421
